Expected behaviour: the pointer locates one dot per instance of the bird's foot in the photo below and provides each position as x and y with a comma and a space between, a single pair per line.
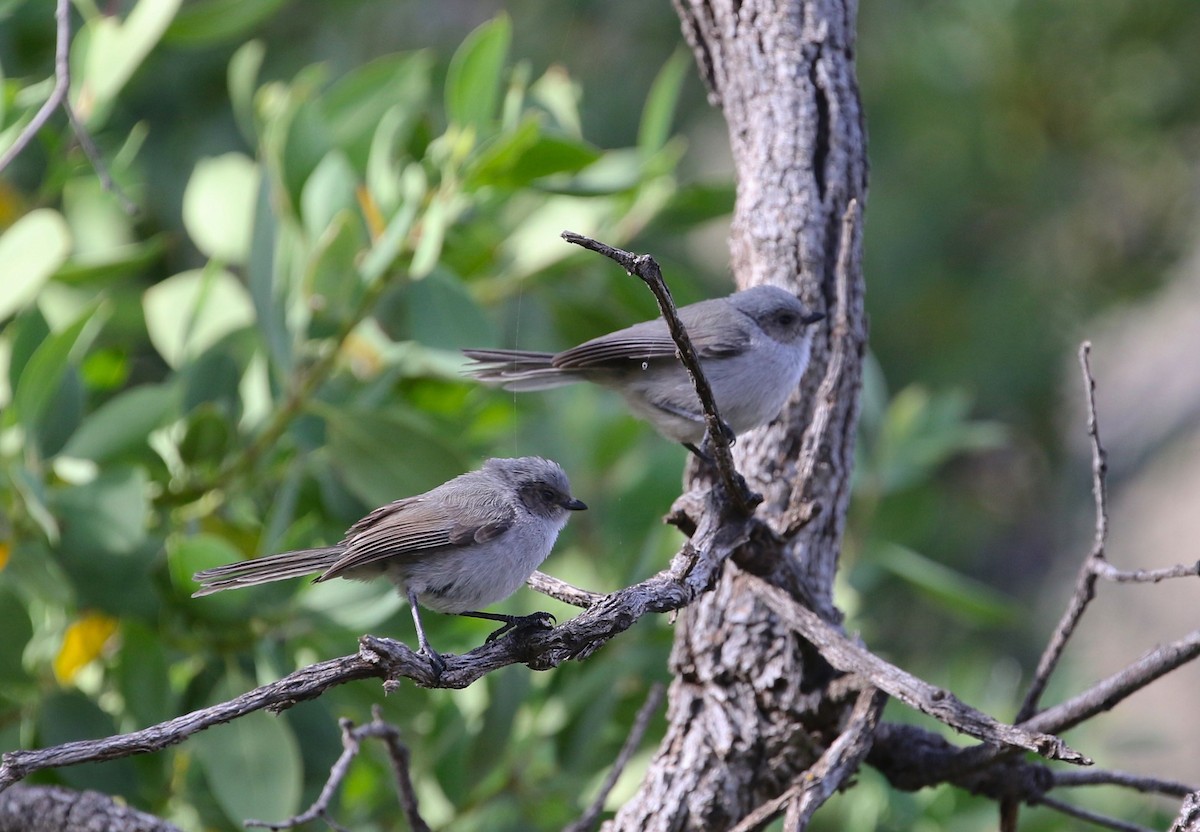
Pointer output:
518, 623
435, 660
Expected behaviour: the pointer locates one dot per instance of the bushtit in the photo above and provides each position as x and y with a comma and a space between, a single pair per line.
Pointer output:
466, 544
753, 346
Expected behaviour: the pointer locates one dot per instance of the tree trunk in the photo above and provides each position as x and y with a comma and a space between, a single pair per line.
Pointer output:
743, 724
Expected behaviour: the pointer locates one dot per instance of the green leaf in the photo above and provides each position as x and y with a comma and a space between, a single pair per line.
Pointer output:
108, 514
659, 111
330, 190
434, 221
262, 272
695, 204
560, 96
216, 21
354, 107
515, 159
143, 674
115, 49
441, 313
17, 629
32, 250
191, 311
124, 422
218, 206
333, 291
391, 243
956, 592
244, 67
67, 716
922, 430
356, 605
474, 76
188, 555
385, 455
252, 764
42, 376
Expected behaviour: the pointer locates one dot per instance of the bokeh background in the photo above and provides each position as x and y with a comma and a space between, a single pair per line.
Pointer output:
1033, 183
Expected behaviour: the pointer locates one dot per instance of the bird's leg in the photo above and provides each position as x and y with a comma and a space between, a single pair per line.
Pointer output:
537, 620
435, 658
703, 451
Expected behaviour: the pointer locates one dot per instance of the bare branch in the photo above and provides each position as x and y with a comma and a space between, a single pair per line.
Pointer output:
62, 84
1092, 817
829, 773
1100, 777
646, 268
942, 705
1106, 694
1085, 584
304, 684
1106, 570
1102, 696
560, 590
588, 820
352, 738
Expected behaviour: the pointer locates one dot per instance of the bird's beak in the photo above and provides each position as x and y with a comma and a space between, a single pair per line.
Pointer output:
813, 317
574, 505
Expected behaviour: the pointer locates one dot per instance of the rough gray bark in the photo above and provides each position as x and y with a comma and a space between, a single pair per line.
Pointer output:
55, 809
742, 724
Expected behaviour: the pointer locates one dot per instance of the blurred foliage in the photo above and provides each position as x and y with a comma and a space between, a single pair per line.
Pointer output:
334, 197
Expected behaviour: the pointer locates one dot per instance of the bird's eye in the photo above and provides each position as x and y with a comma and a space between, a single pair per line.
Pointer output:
786, 319
548, 495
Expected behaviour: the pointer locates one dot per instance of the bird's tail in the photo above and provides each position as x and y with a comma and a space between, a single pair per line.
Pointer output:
265, 570
518, 370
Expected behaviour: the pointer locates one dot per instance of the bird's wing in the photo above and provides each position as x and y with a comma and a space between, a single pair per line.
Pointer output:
721, 335
405, 528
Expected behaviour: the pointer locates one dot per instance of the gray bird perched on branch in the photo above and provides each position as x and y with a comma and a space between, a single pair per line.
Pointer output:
753, 346
468, 543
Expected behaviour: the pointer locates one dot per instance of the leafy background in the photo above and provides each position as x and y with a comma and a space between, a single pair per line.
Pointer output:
334, 197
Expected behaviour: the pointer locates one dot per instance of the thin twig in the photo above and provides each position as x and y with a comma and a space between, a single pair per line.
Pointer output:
1102, 696
845, 655
588, 820
800, 508
62, 84
352, 738
1105, 695
1137, 782
646, 268
401, 758
560, 590
97, 160
1108, 572
1085, 585
1092, 817
829, 773
60, 97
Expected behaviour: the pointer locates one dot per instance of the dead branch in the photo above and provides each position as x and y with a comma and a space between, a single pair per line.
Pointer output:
829, 773
646, 268
352, 738
942, 705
